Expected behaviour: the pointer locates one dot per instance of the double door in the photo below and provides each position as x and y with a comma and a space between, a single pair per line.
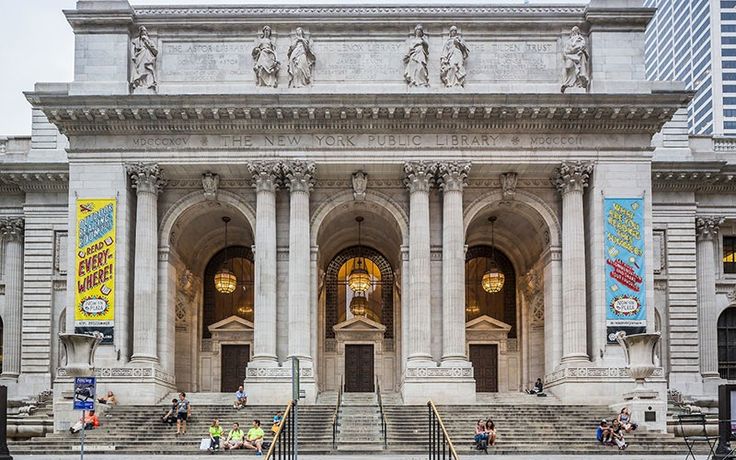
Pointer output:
233, 361
359, 369
485, 367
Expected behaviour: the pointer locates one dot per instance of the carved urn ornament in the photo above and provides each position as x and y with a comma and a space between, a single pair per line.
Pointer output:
639, 350
80, 353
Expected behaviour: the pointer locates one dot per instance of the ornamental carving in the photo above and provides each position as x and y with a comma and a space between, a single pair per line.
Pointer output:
265, 174
12, 228
277, 372
146, 177
452, 61
416, 58
265, 63
453, 175
360, 184
210, 183
707, 226
508, 185
301, 60
439, 372
576, 57
298, 175
419, 175
572, 176
143, 54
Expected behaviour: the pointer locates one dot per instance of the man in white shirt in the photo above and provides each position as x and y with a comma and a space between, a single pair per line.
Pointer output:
241, 398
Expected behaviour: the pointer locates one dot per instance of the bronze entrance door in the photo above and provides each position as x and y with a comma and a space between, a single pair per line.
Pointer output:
359, 368
233, 360
485, 367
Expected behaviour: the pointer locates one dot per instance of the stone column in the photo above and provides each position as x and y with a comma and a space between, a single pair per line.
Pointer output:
571, 179
707, 231
11, 231
299, 179
452, 177
147, 180
265, 181
419, 178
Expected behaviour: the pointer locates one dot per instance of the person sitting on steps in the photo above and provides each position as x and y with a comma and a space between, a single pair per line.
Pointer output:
624, 418
491, 431
617, 434
537, 389
254, 438
91, 421
234, 438
241, 398
481, 437
170, 416
215, 435
603, 433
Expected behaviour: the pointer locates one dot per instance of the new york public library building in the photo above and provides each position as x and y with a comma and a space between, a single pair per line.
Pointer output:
447, 201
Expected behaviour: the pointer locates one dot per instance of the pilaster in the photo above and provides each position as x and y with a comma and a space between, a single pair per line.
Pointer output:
12, 231
707, 228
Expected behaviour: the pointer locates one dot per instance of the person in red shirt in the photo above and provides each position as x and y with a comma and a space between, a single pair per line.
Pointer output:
91, 421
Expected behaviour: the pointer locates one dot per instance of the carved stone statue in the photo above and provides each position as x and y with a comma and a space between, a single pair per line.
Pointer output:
508, 184
210, 183
416, 57
301, 60
576, 61
452, 61
144, 54
360, 184
265, 63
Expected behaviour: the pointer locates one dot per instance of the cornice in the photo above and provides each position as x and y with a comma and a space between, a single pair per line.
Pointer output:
696, 176
364, 112
30, 181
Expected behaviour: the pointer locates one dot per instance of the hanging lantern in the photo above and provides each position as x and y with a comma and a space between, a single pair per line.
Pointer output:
359, 280
359, 305
225, 279
472, 309
245, 310
493, 279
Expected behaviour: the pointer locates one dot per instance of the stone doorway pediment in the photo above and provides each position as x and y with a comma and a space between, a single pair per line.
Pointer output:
359, 324
232, 323
487, 324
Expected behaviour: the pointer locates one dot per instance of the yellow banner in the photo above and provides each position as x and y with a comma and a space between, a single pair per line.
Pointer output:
95, 267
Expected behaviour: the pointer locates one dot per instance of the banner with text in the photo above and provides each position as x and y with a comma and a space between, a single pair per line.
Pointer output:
95, 267
625, 284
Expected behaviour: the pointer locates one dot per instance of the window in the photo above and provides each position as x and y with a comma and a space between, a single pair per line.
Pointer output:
727, 344
729, 254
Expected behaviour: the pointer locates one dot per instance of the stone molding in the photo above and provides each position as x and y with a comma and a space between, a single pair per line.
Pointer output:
146, 177
298, 175
594, 373
266, 175
438, 372
12, 228
34, 181
694, 177
123, 373
382, 11
572, 176
707, 227
419, 175
452, 176
277, 372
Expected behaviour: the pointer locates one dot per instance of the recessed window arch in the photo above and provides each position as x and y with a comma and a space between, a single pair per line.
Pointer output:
727, 344
500, 305
218, 306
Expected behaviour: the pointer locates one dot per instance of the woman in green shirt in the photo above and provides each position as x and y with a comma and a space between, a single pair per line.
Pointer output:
215, 435
234, 438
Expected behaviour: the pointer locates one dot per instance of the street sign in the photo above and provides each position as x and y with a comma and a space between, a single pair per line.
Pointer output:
85, 389
294, 378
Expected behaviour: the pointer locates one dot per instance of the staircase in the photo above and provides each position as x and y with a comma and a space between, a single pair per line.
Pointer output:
359, 428
138, 430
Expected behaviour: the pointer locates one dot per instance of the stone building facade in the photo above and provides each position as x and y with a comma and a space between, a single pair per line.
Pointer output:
424, 121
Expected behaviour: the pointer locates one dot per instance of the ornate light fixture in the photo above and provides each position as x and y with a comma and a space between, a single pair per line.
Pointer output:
359, 279
244, 310
493, 279
225, 280
472, 308
359, 305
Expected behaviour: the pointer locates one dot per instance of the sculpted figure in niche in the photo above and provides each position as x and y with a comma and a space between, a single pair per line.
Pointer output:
416, 57
576, 61
265, 64
143, 53
452, 61
301, 60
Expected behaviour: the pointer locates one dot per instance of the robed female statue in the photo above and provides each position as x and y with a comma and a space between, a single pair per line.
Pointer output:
265, 64
452, 61
416, 57
301, 60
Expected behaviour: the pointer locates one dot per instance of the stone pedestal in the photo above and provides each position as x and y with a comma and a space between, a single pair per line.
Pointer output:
272, 385
648, 410
443, 385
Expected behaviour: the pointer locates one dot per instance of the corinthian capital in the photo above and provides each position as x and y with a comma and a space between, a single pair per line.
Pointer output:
146, 177
706, 227
419, 175
572, 176
298, 175
265, 174
12, 228
453, 175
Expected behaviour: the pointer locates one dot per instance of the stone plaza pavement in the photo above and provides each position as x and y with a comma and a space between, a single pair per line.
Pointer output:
359, 457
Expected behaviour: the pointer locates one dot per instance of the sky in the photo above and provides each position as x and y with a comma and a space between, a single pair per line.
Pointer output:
37, 44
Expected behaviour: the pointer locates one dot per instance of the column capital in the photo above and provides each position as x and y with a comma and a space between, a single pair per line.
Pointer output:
572, 176
265, 175
146, 177
12, 228
453, 175
298, 175
707, 227
419, 175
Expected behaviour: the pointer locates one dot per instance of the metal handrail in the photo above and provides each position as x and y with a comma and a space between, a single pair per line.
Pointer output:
282, 445
383, 415
336, 415
440, 444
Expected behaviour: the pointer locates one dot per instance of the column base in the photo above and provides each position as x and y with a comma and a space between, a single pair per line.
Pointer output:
575, 359
711, 383
144, 359
449, 383
269, 383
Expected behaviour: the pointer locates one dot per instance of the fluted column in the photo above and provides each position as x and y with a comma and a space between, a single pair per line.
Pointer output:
299, 178
11, 231
147, 180
571, 179
265, 181
452, 177
707, 231
419, 178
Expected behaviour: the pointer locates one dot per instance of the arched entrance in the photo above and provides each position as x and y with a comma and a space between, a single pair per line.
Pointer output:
727, 344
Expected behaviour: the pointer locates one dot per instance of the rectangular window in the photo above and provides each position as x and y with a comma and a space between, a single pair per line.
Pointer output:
729, 254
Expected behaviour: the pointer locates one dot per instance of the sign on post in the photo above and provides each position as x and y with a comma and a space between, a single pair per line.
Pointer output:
85, 389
